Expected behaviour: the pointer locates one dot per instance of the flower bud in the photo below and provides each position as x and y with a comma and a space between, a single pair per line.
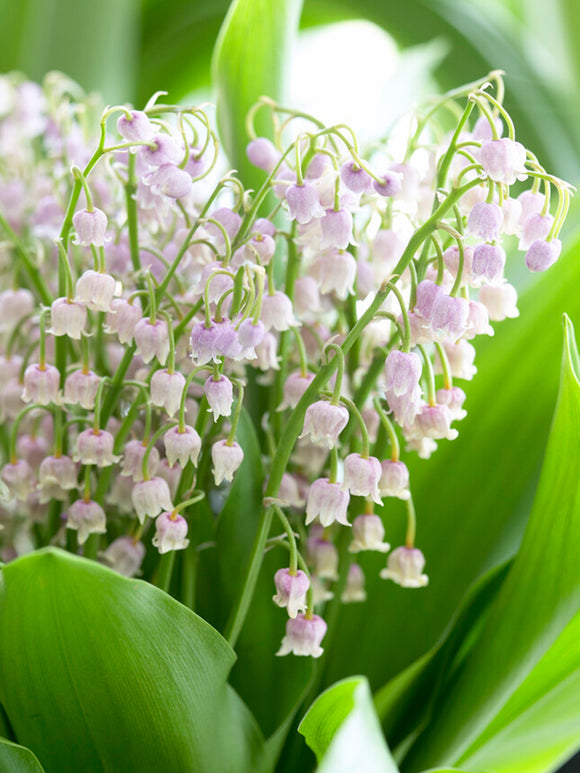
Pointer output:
303, 636
263, 154
336, 272
169, 180
324, 422
368, 533
136, 128
167, 390
67, 318
541, 254
86, 517
90, 227
328, 502
291, 590
355, 177
170, 532
391, 184
405, 567
226, 460
162, 149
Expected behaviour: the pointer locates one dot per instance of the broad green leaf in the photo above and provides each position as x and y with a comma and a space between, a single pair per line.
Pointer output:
17, 759
251, 59
404, 703
539, 727
342, 729
539, 598
98, 671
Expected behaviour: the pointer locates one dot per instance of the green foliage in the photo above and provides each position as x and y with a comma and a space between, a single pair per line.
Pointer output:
17, 759
98, 671
250, 60
517, 669
342, 729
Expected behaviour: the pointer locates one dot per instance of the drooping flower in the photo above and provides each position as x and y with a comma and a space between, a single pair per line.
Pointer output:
304, 634
291, 590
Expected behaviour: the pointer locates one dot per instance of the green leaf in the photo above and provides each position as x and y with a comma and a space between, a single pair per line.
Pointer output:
17, 759
539, 599
97, 671
342, 729
251, 59
538, 728
405, 702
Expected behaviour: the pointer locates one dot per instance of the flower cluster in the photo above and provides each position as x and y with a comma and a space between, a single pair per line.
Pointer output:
143, 289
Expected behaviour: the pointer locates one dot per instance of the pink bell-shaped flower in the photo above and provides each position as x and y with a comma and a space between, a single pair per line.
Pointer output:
323, 422
95, 290
362, 476
86, 517
41, 385
354, 590
394, 480
405, 567
67, 318
291, 590
303, 203
488, 263
294, 387
219, 394
226, 457
19, 477
503, 160
57, 475
122, 319
355, 177
151, 497
303, 636
183, 446
277, 312
368, 533
449, 317
124, 555
328, 502
485, 220
535, 227
95, 447
90, 227
133, 460
500, 301
336, 229
170, 532
167, 390
152, 339
80, 388
435, 421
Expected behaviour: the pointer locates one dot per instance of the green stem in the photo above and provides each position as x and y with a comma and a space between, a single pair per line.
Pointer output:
291, 539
